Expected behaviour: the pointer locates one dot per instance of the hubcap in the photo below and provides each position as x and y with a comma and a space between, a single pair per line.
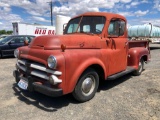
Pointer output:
140, 66
88, 86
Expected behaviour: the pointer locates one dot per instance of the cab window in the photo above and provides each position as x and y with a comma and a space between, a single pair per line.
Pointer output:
116, 27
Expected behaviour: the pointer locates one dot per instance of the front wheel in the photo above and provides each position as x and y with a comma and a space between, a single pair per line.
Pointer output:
140, 68
87, 86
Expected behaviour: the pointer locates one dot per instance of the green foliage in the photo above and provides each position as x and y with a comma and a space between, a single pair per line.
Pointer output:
9, 32
5, 32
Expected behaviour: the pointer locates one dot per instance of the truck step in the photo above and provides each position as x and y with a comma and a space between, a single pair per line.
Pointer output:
120, 74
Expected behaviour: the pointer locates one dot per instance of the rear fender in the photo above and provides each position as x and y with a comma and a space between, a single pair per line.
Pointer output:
136, 54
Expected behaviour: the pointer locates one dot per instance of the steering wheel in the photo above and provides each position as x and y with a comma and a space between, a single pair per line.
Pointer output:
98, 31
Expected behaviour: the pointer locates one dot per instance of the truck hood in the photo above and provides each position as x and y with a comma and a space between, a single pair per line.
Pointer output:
69, 41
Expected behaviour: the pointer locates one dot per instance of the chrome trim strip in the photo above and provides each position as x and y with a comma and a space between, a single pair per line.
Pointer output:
21, 67
36, 66
39, 74
22, 61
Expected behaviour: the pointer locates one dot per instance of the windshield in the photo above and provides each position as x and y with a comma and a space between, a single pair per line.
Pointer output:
2, 37
6, 39
86, 24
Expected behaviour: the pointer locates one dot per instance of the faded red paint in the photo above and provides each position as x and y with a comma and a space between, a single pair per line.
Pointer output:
81, 51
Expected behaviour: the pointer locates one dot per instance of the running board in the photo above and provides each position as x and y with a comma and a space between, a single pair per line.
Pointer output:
120, 74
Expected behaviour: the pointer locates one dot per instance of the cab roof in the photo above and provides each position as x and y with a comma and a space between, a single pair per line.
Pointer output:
105, 14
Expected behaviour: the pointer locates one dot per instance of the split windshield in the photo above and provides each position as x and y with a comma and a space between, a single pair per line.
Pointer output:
86, 24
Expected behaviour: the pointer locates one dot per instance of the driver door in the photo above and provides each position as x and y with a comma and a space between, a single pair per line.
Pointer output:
117, 46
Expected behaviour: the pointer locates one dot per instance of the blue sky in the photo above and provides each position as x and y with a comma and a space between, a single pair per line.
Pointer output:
38, 11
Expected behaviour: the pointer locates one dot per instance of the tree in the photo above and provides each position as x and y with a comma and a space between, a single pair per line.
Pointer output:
9, 32
2, 32
5, 32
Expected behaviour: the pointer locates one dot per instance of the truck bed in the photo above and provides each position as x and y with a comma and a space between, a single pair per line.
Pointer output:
135, 43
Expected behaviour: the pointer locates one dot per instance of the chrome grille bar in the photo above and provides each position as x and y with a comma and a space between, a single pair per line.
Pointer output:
39, 67
21, 67
40, 74
22, 62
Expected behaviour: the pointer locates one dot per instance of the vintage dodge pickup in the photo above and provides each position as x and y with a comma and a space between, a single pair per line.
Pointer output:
94, 48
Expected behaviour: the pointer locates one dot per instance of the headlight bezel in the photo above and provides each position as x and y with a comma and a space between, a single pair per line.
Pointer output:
52, 62
16, 53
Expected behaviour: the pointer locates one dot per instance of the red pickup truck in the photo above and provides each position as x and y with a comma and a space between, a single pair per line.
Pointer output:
94, 48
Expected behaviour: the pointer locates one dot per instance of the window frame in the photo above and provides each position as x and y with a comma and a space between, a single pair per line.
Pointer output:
119, 27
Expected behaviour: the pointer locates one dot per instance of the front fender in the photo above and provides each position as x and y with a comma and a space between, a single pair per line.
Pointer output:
73, 77
135, 54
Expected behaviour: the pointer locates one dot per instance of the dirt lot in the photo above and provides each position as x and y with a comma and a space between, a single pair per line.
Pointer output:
127, 98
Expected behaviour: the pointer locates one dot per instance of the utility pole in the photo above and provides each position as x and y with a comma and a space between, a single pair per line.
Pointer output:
51, 12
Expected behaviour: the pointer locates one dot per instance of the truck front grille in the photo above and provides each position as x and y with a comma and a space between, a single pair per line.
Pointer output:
36, 69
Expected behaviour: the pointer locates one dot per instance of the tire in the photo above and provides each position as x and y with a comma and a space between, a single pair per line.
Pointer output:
87, 86
140, 68
1, 55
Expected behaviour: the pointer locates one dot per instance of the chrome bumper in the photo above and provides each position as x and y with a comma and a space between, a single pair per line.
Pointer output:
36, 86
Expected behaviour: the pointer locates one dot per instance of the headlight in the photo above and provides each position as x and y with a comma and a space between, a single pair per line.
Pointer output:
52, 62
16, 53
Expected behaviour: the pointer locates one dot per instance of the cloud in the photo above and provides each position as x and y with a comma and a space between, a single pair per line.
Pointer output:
40, 19
126, 13
137, 13
1, 23
128, 6
73, 7
5, 26
144, 1
39, 6
10, 17
126, 1
141, 13
4, 4
102, 3
135, 3
146, 21
37, 10
156, 5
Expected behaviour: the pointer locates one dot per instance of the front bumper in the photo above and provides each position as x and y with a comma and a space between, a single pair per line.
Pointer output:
36, 86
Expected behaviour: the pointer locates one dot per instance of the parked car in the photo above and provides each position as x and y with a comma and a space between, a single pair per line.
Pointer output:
3, 36
10, 43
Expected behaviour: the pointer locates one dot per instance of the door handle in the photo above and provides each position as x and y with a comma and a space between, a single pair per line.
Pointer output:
126, 43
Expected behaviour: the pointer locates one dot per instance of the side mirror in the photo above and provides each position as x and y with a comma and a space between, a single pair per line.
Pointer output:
64, 26
26, 43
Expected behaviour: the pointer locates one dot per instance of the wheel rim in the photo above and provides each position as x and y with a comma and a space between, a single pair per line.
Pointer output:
88, 85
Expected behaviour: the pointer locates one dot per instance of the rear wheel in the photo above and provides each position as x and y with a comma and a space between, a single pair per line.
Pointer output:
87, 86
140, 68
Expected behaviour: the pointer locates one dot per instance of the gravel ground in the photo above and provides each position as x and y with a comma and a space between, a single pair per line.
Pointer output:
127, 98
